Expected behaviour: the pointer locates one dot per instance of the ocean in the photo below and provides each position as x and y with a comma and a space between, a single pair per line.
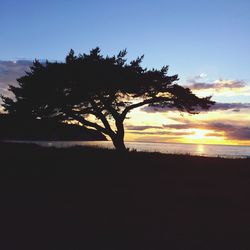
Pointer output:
225, 151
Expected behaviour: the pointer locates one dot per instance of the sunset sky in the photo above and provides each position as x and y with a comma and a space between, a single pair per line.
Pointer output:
205, 42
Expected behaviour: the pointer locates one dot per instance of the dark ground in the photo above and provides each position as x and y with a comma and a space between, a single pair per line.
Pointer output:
83, 198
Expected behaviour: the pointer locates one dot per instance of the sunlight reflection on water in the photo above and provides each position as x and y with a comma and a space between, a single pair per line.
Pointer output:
200, 149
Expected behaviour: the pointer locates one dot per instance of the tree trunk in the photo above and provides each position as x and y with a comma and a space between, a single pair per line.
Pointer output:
118, 142
118, 137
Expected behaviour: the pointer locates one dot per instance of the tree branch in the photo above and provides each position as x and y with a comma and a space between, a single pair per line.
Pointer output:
90, 124
109, 108
139, 104
98, 114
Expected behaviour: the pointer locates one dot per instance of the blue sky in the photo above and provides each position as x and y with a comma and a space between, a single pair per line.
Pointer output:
192, 37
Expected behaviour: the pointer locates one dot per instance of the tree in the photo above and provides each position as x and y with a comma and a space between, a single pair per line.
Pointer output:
91, 86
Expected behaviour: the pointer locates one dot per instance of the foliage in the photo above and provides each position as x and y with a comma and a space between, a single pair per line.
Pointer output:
91, 85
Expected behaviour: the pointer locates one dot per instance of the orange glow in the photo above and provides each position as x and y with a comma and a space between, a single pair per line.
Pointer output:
198, 134
196, 128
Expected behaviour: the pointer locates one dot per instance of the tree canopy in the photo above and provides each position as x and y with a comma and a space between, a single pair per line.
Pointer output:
104, 87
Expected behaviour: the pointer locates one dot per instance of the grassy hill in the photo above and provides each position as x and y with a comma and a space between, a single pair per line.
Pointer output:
86, 198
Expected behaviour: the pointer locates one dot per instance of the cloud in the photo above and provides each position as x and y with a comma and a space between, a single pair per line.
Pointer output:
240, 134
234, 132
218, 129
236, 107
199, 77
141, 128
169, 133
217, 85
230, 106
213, 134
11, 70
3, 90
149, 109
231, 132
180, 126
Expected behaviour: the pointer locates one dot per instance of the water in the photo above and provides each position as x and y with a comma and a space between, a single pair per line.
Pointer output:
170, 148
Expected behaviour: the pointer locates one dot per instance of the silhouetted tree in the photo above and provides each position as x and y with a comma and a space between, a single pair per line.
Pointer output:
97, 91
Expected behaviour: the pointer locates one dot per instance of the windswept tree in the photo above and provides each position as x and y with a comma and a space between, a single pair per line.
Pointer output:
98, 92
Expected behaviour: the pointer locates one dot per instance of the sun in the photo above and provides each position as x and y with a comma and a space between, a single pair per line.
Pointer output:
203, 136
198, 134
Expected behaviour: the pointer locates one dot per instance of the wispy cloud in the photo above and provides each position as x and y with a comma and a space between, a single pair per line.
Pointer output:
225, 130
218, 85
232, 132
197, 78
236, 107
169, 133
142, 128
11, 70
213, 134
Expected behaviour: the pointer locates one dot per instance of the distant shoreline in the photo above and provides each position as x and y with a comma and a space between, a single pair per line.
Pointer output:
9, 145
129, 141
208, 150
190, 143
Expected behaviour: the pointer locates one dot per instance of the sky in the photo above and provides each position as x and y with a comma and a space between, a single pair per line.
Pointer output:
205, 42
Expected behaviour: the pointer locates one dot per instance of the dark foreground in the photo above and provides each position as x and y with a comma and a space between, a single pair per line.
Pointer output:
83, 198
